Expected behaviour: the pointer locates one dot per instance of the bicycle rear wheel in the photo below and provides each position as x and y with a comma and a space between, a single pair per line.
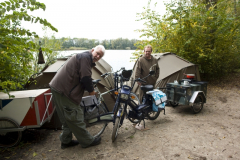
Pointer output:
96, 129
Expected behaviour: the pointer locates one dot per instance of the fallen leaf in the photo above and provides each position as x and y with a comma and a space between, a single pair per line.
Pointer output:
49, 150
7, 157
34, 154
44, 155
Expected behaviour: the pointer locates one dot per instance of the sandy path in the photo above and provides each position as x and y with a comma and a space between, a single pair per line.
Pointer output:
214, 133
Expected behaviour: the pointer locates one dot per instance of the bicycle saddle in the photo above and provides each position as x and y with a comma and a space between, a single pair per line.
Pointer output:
95, 81
147, 87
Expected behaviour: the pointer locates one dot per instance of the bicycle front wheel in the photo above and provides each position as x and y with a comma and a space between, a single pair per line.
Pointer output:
96, 129
115, 129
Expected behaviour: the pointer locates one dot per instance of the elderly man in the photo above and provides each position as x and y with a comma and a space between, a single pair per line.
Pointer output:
143, 66
67, 88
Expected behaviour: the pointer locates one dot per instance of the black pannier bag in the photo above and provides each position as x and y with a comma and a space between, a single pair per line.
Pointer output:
91, 107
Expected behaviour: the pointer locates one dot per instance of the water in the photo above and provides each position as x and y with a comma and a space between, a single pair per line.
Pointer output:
115, 58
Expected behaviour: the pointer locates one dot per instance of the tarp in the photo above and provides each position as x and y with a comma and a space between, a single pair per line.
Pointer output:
172, 67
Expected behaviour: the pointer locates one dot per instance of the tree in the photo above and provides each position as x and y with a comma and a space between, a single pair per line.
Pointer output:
16, 46
205, 35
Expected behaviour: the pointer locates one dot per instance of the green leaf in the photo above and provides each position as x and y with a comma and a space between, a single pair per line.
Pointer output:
33, 2
8, 8
20, 17
3, 10
13, 7
3, 4
11, 1
17, 5
36, 20
34, 154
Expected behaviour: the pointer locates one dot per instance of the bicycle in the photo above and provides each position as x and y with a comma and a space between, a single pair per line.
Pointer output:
96, 113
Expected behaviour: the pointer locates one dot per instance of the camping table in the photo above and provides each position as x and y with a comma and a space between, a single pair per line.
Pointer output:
28, 109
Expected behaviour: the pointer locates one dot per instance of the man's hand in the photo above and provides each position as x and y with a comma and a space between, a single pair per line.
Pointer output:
92, 93
139, 83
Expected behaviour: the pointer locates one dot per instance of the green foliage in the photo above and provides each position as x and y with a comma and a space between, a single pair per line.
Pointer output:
16, 46
205, 34
84, 43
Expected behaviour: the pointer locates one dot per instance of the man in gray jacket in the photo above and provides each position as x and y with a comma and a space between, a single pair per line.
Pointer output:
67, 88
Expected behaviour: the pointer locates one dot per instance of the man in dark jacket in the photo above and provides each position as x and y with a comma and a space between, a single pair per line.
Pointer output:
144, 64
67, 88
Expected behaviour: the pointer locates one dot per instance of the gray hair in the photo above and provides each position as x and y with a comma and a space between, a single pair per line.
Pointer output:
101, 47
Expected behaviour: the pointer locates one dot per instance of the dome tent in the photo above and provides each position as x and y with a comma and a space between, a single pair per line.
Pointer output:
43, 79
172, 67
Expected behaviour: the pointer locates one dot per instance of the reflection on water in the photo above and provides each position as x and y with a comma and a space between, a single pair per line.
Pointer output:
115, 58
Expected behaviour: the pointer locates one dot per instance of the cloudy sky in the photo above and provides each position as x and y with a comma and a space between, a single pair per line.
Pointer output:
94, 19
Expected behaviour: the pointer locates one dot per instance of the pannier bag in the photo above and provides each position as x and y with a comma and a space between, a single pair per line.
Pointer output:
159, 100
91, 107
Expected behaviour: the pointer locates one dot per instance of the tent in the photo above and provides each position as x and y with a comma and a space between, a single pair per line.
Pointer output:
45, 76
172, 67
43, 79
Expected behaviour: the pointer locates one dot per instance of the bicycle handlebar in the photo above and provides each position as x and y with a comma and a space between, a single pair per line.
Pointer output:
104, 74
107, 73
140, 80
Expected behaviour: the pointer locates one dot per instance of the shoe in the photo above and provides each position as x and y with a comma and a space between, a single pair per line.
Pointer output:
96, 141
71, 144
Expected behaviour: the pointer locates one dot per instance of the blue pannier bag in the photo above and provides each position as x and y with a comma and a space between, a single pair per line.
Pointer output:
159, 100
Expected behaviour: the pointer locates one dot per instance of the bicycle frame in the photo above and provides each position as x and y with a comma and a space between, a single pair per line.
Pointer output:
121, 110
109, 116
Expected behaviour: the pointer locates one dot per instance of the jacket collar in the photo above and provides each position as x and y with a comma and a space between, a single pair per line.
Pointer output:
91, 57
148, 59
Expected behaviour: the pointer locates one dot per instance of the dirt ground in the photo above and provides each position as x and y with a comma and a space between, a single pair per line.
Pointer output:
214, 133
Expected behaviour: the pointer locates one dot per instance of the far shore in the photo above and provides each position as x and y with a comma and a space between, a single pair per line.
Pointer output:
79, 48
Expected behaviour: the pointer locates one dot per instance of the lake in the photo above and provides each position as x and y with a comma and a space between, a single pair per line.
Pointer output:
115, 58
